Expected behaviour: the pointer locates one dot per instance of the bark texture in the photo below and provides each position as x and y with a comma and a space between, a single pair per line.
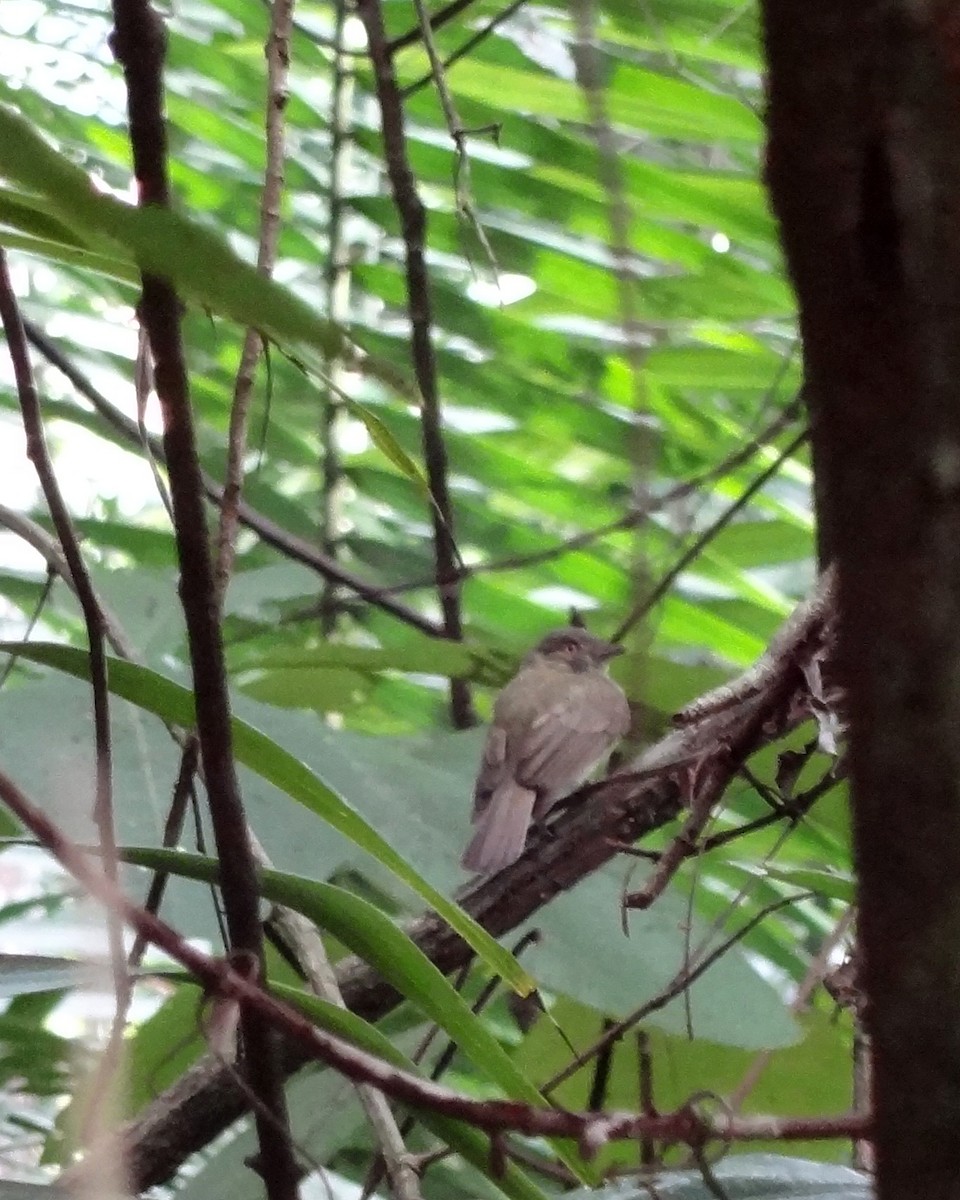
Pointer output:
864, 172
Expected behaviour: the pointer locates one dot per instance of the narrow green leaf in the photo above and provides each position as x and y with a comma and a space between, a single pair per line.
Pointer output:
387, 444
155, 693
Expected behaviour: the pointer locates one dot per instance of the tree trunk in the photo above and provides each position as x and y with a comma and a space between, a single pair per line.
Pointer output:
864, 172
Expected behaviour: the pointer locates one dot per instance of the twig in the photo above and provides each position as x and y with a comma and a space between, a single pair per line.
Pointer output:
413, 224
470, 44
680, 983
337, 279
635, 515
45, 589
93, 619
312, 954
139, 40
437, 21
277, 51
816, 971
458, 135
444, 1059
597, 1096
645, 1096
683, 846
49, 549
288, 544
794, 811
693, 552
182, 790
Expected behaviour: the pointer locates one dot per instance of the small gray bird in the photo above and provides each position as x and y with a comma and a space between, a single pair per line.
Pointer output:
552, 724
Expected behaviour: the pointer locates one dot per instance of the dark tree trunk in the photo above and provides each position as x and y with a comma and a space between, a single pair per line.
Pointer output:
864, 171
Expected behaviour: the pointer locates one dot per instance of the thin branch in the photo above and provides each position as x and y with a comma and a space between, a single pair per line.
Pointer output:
312, 958
39, 455
817, 970
173, 826
337, 280
288, 544
444, 1059
277, 52
49, 549
437, 21
635, 515
139, 42
794, 810
458, 134
470, 44
680, 983
413, 224
645, 1094
699, 544
12, 657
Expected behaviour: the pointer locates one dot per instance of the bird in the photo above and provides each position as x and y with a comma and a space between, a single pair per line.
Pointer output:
552, 724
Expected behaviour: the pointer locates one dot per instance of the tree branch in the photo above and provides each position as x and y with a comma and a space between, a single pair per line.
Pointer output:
96, 625
277, 52
139, 44
413, 224
863, 164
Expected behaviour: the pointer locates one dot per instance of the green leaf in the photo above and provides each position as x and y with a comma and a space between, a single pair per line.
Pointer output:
161, 242
387, 444
153, 692
638, 98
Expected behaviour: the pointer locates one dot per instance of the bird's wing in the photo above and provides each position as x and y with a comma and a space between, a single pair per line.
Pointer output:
567, 740
492, 771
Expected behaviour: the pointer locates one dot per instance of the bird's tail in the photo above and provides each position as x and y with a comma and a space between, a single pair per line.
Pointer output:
500, 830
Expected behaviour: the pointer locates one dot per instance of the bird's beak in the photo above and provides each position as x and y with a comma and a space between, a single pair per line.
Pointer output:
611, 651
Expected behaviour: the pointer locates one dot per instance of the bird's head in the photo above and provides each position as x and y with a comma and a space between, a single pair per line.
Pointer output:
573, 649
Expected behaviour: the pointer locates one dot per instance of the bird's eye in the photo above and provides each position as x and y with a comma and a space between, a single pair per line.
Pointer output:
569, 647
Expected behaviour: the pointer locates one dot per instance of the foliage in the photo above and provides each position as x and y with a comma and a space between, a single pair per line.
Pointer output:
611, 322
